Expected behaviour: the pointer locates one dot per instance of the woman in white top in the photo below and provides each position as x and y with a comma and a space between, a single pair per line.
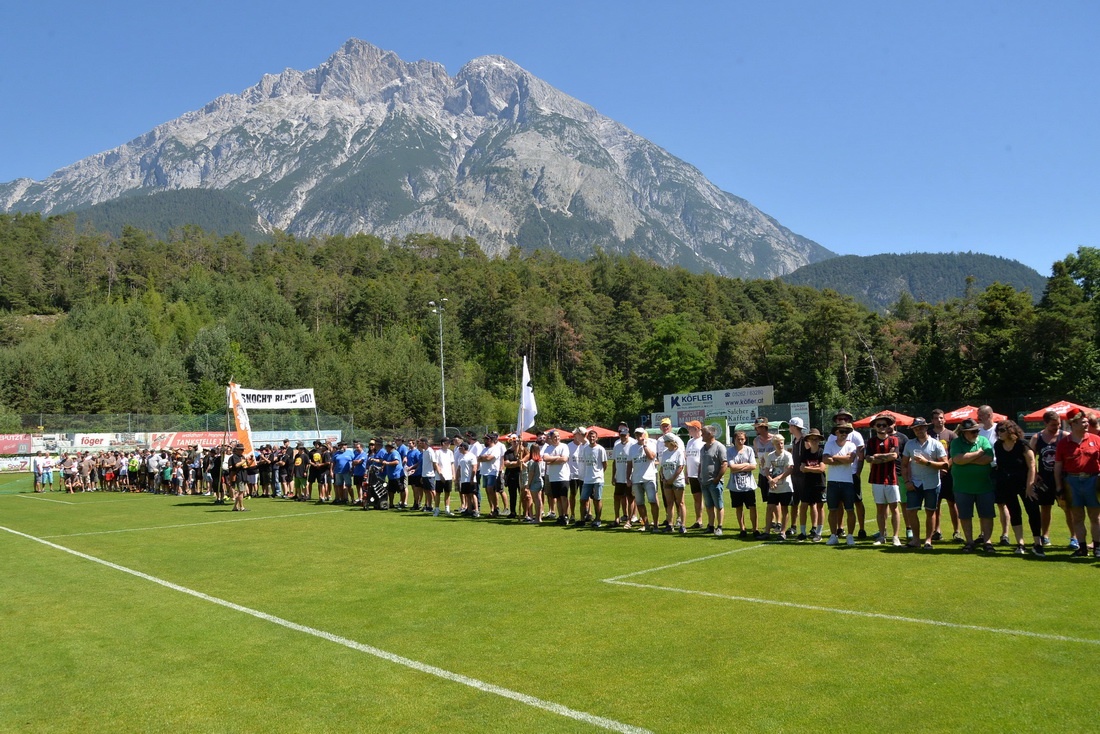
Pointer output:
778, 465
672, 482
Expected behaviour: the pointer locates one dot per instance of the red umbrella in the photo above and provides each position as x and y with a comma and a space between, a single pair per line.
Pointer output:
1060, 408
968, 412
899, 418
603, 432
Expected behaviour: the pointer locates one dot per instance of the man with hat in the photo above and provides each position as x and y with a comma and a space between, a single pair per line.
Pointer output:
489, 463
556, 458
839, 454
971, 459
575, 480
923, 458
812, 488
643, 478
238, 477
845, 416
620, 478
761, 445
797, 429
882, 452
662, 449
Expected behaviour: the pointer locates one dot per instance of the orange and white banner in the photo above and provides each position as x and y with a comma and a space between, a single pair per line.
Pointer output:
240, 418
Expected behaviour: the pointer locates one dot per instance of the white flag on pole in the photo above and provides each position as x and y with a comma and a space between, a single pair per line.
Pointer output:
527, 408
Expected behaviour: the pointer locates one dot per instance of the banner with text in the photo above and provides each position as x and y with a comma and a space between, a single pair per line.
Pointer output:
716, 400
277, 399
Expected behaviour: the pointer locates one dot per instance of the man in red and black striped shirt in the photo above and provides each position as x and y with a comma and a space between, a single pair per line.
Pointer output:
882, 452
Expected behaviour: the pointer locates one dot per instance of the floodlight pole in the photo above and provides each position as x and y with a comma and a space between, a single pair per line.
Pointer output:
438, 310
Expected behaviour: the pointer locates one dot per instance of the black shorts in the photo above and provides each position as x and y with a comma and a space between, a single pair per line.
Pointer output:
416, 482
394, 485
1044, 490
622, 489
780, 498
947, 487
559, 489
468, 488
812, 494
442, 485
693, 484
742, 499
857, 485
575, 485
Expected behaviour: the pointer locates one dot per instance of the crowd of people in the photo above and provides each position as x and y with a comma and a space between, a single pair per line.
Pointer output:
991, 469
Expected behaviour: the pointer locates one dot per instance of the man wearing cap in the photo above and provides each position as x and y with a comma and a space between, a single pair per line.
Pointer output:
923, 459
856, 438
971, 459
761, 445
575, 480
643, 478
1076, 467
812, 469
556, 458
712, 470
662, 449
341, 470
839, 454
882, 452
691, 468
237, 477
620, 456
796, 426
592, 460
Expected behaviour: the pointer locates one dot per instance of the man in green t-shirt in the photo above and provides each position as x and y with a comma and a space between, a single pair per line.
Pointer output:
971, 470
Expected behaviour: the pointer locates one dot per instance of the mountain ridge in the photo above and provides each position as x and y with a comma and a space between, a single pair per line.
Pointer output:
369, 142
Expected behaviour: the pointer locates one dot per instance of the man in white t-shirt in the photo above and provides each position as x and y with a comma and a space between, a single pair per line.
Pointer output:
988, 428
489, 471
620, 456
575, 480
556, 458
666, 431
838, 455
444, 477
592, 461
643, 478
691, 459
428, 472
845, 416
466, 471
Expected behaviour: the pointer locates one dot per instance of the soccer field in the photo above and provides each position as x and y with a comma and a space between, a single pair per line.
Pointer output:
163, 613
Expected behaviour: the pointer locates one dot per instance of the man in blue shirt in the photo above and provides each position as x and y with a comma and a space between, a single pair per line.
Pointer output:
394, 469
412, 471
359, 462
341, 470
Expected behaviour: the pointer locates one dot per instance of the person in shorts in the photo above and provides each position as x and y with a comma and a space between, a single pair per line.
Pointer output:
741, 460
1044, 444
643, 479
1076, 468
591, 460
672, 485
624, 495
556, 458
840, 494
534, 486
466, 472
923, 458
712, 470
881, 452
813, 486
778, 467
938, 430
971, 457
691, 457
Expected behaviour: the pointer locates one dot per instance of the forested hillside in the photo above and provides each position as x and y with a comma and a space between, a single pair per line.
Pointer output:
877, 281
161, 212
159, 326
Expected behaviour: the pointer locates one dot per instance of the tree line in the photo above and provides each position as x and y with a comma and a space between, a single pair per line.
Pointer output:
91, 323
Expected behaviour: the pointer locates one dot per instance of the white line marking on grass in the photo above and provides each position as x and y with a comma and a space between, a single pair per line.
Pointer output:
615, 579
523, 698
192, 524
46, 499
854, 613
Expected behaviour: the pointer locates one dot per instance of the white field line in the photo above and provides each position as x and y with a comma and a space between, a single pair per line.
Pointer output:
523, 698
192, 524
874, 615
46, 499
615, 579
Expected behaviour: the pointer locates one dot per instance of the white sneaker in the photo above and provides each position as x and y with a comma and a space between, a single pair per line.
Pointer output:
878, 541
851, 539
833, 540
448, 513
897, 541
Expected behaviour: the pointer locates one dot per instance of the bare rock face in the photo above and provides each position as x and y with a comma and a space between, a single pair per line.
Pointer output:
367, 142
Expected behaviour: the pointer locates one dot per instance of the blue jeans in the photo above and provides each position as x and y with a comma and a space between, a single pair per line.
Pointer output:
984, 502
712, 495
917, 495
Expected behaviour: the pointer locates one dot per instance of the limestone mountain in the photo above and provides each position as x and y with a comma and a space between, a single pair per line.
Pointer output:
367, 142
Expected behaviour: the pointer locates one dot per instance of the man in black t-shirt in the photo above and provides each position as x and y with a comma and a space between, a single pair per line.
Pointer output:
812, 470
215, 469
238, 472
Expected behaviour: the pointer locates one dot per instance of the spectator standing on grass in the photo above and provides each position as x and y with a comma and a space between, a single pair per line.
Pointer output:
882, 452
971, 468
556, 458
342, 472
466, 470
1076, 466
691, 458
575, 479
512, 467
592, 462
987, 428
672, 485
741, 462
429, 470
813, 471
923, 458
444, 479
938, 430
361, 462
535, 474
666, 430
845, 416
712, 470
36, 469
778, 466
643, 478
761, 446
620, 478
489, 470
412, 477
1014, 480
1045, 444
839, 454
797, 428
238, 477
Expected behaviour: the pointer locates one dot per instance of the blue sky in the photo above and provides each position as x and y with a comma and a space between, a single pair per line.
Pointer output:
866, 126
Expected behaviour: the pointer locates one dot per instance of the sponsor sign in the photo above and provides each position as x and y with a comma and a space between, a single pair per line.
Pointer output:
15, 463
184, 439
778, 412
15, 443
716, 400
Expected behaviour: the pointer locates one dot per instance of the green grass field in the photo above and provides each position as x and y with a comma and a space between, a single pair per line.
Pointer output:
721, 635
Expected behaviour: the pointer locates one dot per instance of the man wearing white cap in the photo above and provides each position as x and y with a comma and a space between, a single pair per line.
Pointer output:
575, 480
643, 477
662, 449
